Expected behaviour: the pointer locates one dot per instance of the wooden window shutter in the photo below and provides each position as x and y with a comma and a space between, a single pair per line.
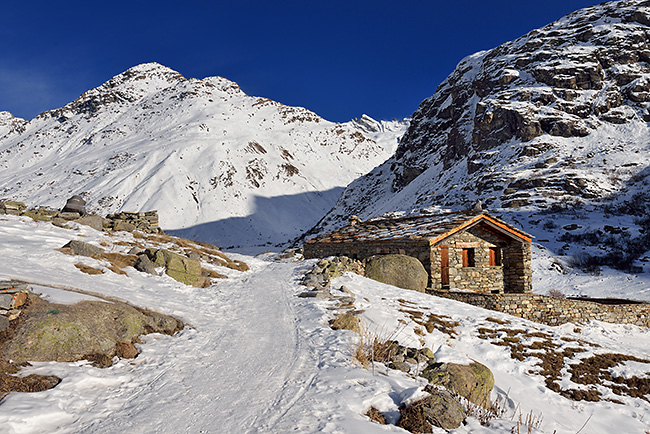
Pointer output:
468, 258
495, 256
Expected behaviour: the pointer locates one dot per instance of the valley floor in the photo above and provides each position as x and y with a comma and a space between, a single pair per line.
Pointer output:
257, 358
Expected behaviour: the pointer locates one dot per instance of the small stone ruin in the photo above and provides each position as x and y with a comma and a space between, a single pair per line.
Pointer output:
74, 211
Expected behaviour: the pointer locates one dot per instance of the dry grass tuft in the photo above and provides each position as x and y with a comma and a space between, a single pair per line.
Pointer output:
212, 274
88, 270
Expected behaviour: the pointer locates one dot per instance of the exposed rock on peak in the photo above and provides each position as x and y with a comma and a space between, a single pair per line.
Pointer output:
9, 123
556, 117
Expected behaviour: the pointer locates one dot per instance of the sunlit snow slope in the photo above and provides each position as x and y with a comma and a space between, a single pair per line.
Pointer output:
217, 164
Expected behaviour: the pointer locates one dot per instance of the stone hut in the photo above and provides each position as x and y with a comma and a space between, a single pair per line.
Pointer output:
461, 251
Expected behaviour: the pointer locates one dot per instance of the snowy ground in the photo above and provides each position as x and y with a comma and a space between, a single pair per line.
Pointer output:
256, 358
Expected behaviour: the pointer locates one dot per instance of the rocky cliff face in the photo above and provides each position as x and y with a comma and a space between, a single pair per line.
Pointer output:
554, 120
217, 164
584, 72
558, 114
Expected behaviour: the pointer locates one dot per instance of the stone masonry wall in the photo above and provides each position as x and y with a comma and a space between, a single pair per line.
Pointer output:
517, 262
480, 278
554, 310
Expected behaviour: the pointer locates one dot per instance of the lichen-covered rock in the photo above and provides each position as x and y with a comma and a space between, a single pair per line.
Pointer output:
346, 321
330, 268
94, 221
474, 381
439, 409
12, 207
399, 270
179, 267
66, 333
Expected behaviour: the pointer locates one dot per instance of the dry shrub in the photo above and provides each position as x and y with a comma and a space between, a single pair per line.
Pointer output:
413, 418
531, 422
374, 347
556, 293
88, 270
376, 416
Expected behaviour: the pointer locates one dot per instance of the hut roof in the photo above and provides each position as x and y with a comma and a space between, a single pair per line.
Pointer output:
431, 228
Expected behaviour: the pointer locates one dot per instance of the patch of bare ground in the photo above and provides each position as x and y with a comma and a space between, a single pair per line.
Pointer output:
429, 320
88, 269
555, 355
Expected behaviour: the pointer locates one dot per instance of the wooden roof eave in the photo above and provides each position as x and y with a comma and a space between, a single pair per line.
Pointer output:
495, 224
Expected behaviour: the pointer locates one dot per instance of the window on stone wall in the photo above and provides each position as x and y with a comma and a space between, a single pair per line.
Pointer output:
495, 256
468, 258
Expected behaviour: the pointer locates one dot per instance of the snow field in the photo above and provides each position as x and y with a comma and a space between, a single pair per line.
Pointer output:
257, 358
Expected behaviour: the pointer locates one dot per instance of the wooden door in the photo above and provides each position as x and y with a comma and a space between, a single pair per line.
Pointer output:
444, 266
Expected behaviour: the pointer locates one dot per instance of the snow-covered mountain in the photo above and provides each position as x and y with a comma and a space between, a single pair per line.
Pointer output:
555, 120
217, 164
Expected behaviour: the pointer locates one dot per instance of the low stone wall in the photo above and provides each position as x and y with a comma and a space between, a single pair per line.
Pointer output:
129, 221
555, 310
123, 221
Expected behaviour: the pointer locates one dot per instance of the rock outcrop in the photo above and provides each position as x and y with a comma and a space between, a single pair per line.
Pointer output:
93, 330
179, 267
553, 120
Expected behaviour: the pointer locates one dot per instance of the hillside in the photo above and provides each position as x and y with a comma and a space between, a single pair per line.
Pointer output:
550, 127
217, 164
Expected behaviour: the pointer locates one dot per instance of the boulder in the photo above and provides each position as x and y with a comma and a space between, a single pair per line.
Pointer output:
145, 265
473, 382
81, 248
67, 333
12, 207
6, 301
179, 267
75, 204
398, 270
439, 409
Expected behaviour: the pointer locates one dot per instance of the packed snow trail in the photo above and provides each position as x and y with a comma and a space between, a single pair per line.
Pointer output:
246, 352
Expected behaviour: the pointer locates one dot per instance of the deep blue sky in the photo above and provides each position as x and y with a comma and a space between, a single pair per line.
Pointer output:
338, 58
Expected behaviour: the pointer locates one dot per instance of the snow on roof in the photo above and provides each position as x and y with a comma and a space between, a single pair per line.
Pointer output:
430, 228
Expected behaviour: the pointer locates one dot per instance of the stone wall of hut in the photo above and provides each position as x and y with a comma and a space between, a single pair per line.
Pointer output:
482, 277
513, 276
364, 250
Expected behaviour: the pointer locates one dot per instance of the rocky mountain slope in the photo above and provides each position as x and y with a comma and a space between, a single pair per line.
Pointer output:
555, 120
217, 164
